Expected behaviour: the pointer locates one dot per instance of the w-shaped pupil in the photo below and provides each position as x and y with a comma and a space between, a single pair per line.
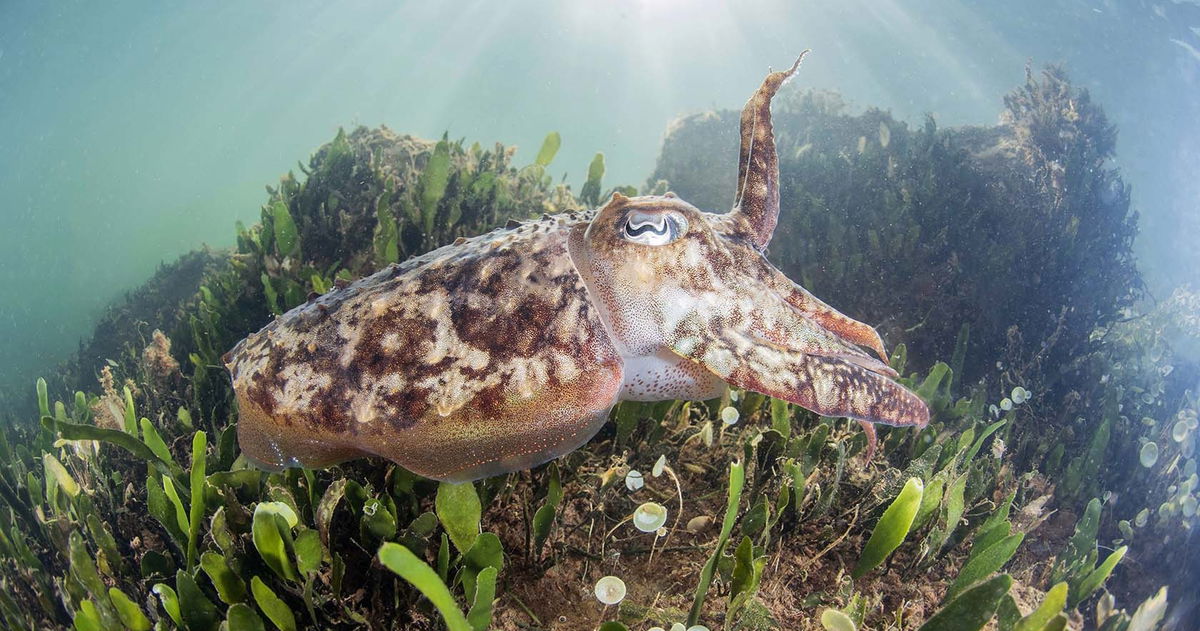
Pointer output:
659, 228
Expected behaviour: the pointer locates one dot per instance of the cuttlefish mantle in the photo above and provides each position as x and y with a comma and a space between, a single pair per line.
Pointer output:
509, 349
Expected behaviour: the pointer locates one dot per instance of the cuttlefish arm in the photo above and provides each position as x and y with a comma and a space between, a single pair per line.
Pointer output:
757, 203
827, 317
760, 341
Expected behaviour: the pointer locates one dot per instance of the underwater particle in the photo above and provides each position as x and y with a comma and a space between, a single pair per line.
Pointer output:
649, 517
1179, 431
735, 395
610, 590
659, 465
1148, 455
998, 448
885, 134
1188, 505
1006, 404
634, 480
678, 626
697, 627
730, 415
656, 629
1142, 518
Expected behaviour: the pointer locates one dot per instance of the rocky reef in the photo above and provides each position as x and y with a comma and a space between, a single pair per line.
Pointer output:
1059, 462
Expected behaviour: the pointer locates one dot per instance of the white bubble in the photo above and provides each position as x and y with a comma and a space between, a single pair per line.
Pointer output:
1006, 404
610, 590
730, 415
634, 480
649, 517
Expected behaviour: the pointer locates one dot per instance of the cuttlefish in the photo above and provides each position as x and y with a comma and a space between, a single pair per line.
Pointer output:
503, 351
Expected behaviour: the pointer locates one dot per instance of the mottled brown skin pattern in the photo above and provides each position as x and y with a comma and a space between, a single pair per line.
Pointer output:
443, 363
504, 351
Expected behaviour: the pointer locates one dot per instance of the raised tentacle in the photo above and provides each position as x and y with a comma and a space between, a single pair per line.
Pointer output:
757, 202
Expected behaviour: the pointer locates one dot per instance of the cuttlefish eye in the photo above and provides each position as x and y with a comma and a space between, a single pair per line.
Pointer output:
653, 228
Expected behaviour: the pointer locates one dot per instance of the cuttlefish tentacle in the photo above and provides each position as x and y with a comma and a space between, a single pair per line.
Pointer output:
781, 324
827, 385
757, 203
825, 329
829, 318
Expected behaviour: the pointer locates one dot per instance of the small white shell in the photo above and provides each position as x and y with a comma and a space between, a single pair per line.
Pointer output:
610, 590
634, 480
649, 517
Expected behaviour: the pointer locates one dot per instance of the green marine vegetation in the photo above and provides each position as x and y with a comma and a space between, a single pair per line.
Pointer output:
125, 502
